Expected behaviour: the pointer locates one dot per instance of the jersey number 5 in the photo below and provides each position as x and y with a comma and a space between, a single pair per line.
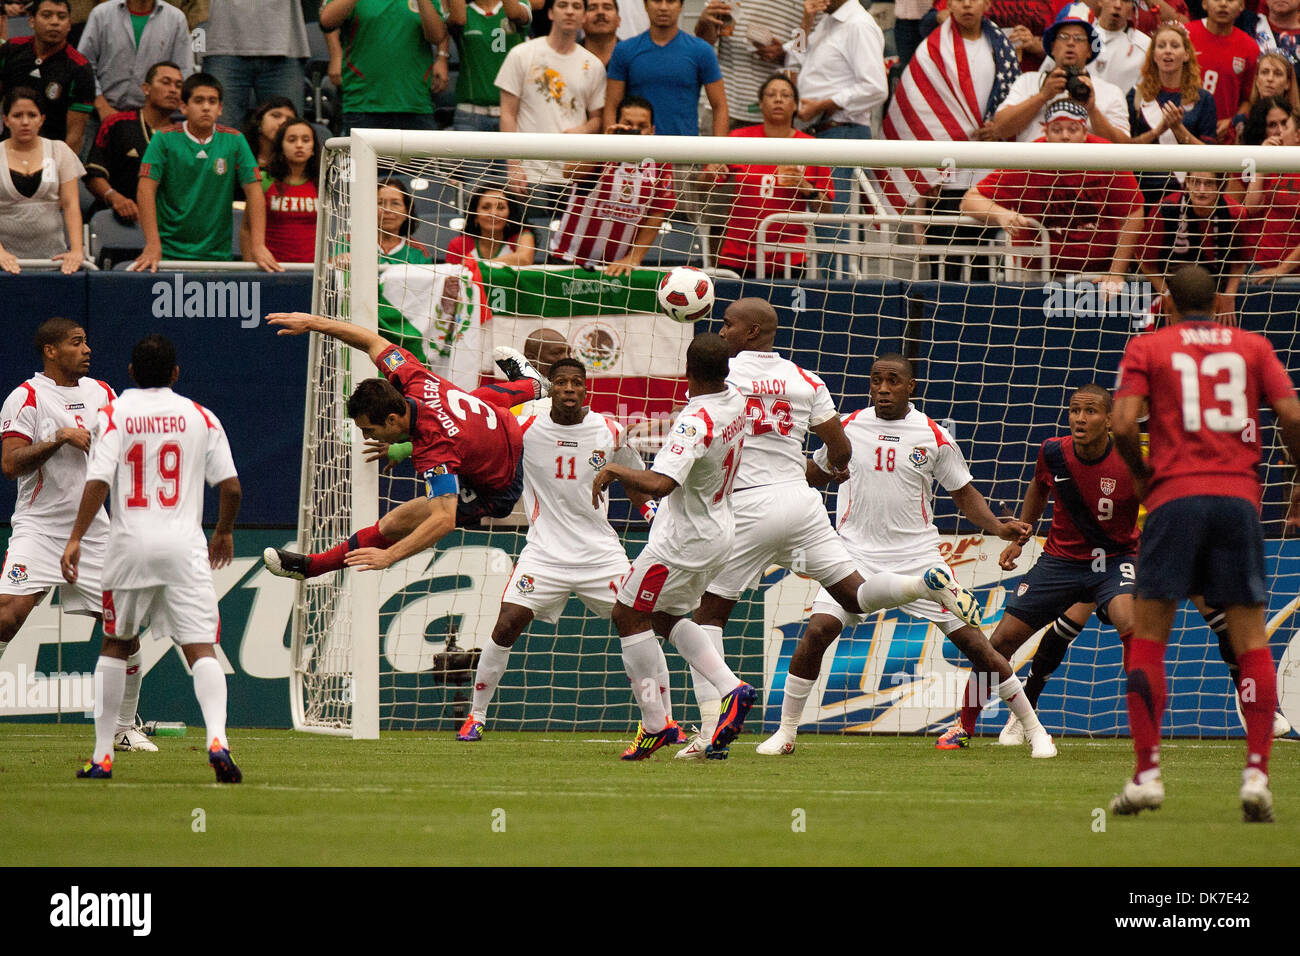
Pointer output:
169, 470
1232, 391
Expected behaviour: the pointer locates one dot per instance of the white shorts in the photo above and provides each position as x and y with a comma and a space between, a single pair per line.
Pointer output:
783, 524
654, 583
545, 588
925, 609
33, 564
187, 613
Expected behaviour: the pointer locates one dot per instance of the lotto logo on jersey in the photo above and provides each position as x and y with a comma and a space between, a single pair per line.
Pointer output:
18, 573
917, 457
1107, 486
4, 426
393, 361
597, 459
75, 406
526, 584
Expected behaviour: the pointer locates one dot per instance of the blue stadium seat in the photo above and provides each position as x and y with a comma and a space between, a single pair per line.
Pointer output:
113, 241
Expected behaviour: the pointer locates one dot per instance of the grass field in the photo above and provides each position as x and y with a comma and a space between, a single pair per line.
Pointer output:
424, 799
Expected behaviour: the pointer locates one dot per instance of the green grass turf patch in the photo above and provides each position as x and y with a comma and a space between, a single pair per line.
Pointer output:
425, 799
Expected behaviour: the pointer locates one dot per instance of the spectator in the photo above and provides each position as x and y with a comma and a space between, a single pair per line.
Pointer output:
1123, 46
1022, 21
549, 85
1274, 76
494, 231
600, 29
750, 39
38, 181
1093, 219
762, 190
262, 125
484, 35
908, 15
1227, 57
1277, 28
396, 225
122, 39
257, 50
667, 68
614, 210
60, 75
186, 184
388, 61
113, 172
291, 189
1073, 44
1273, 199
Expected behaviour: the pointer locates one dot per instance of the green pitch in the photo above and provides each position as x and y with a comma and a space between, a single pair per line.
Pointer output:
557, 799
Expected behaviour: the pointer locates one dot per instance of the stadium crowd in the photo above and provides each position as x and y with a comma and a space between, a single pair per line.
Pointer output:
122, 96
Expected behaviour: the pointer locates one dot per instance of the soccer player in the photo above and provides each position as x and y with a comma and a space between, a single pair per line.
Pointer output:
884, 517
1202, 383
46, 426
153, 451
467, 448
571, 547
779, 518
689, 541
1091, 549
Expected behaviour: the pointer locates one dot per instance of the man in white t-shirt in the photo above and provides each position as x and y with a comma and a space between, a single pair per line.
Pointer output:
46, 442
884, 515
571, 548
689, 540
550, 85
1123, 47
153, 452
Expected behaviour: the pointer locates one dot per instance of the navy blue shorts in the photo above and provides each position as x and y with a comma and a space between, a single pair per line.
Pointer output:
1211, 545
475, 504
1054, 584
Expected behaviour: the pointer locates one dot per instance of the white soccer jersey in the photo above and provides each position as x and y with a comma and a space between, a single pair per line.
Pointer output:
695, 525
782, 402
887, 506
155, 449
48, 498
560, 462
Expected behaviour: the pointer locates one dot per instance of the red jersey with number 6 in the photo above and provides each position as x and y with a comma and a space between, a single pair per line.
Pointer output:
476, 440
1204, 383
1094, 504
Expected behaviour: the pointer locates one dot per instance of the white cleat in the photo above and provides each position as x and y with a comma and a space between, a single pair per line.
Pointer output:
1281, 726
1042, 747
945, 589
1256, 798
514, 366
779, 744
133, 740
1013, 734
1136, 797
694, 750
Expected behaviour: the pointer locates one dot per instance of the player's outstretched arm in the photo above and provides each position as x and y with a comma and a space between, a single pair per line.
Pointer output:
440, 521
972, 504
1030, 512
221, 547
92, 500
298, 323
813, 474
645, 482
838, 449
1128, 442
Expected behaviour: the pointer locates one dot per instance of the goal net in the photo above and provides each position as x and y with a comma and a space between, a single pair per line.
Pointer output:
1009, 274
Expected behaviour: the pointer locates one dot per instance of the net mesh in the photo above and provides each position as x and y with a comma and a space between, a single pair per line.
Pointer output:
1006, 302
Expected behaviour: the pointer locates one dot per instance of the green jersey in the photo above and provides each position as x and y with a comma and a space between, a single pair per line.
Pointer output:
195, 184
483, 42
387, 62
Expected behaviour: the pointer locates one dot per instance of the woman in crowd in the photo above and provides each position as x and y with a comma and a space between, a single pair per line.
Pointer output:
291, 188
396, 224
262, 125
1274, 76
494, 231
40, 211
1272, 200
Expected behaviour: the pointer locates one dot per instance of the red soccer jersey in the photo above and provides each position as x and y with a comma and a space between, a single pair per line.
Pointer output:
759, 195
451, 429
291, 221
1227, 65
1082, 211
1095, 506
1276, 231
1204, 383
606, 208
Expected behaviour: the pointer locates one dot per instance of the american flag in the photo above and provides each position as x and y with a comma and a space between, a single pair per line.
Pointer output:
935, 100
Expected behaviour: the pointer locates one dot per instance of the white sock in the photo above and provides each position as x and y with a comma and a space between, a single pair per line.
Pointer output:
797, 690
210, 689
887, 589
689, 638
665, 681
491, 665
110, 674
641, 656
1013, 692
131, 694
707, 696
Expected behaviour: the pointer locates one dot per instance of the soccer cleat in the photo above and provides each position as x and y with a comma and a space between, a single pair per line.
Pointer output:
285, 564
1256, 798
1013, 734
471, 730
953, 596
954, 738
1136, 797
780, 743
97, 771
219, 758
682, 736
646, 744
696, 749
132, 739
513, 364
1043, 747
1281, 726
734, 709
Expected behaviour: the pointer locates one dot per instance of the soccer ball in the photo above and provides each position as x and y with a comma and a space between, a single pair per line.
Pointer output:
686, 294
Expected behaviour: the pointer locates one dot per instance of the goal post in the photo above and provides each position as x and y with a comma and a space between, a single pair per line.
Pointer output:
999, 331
